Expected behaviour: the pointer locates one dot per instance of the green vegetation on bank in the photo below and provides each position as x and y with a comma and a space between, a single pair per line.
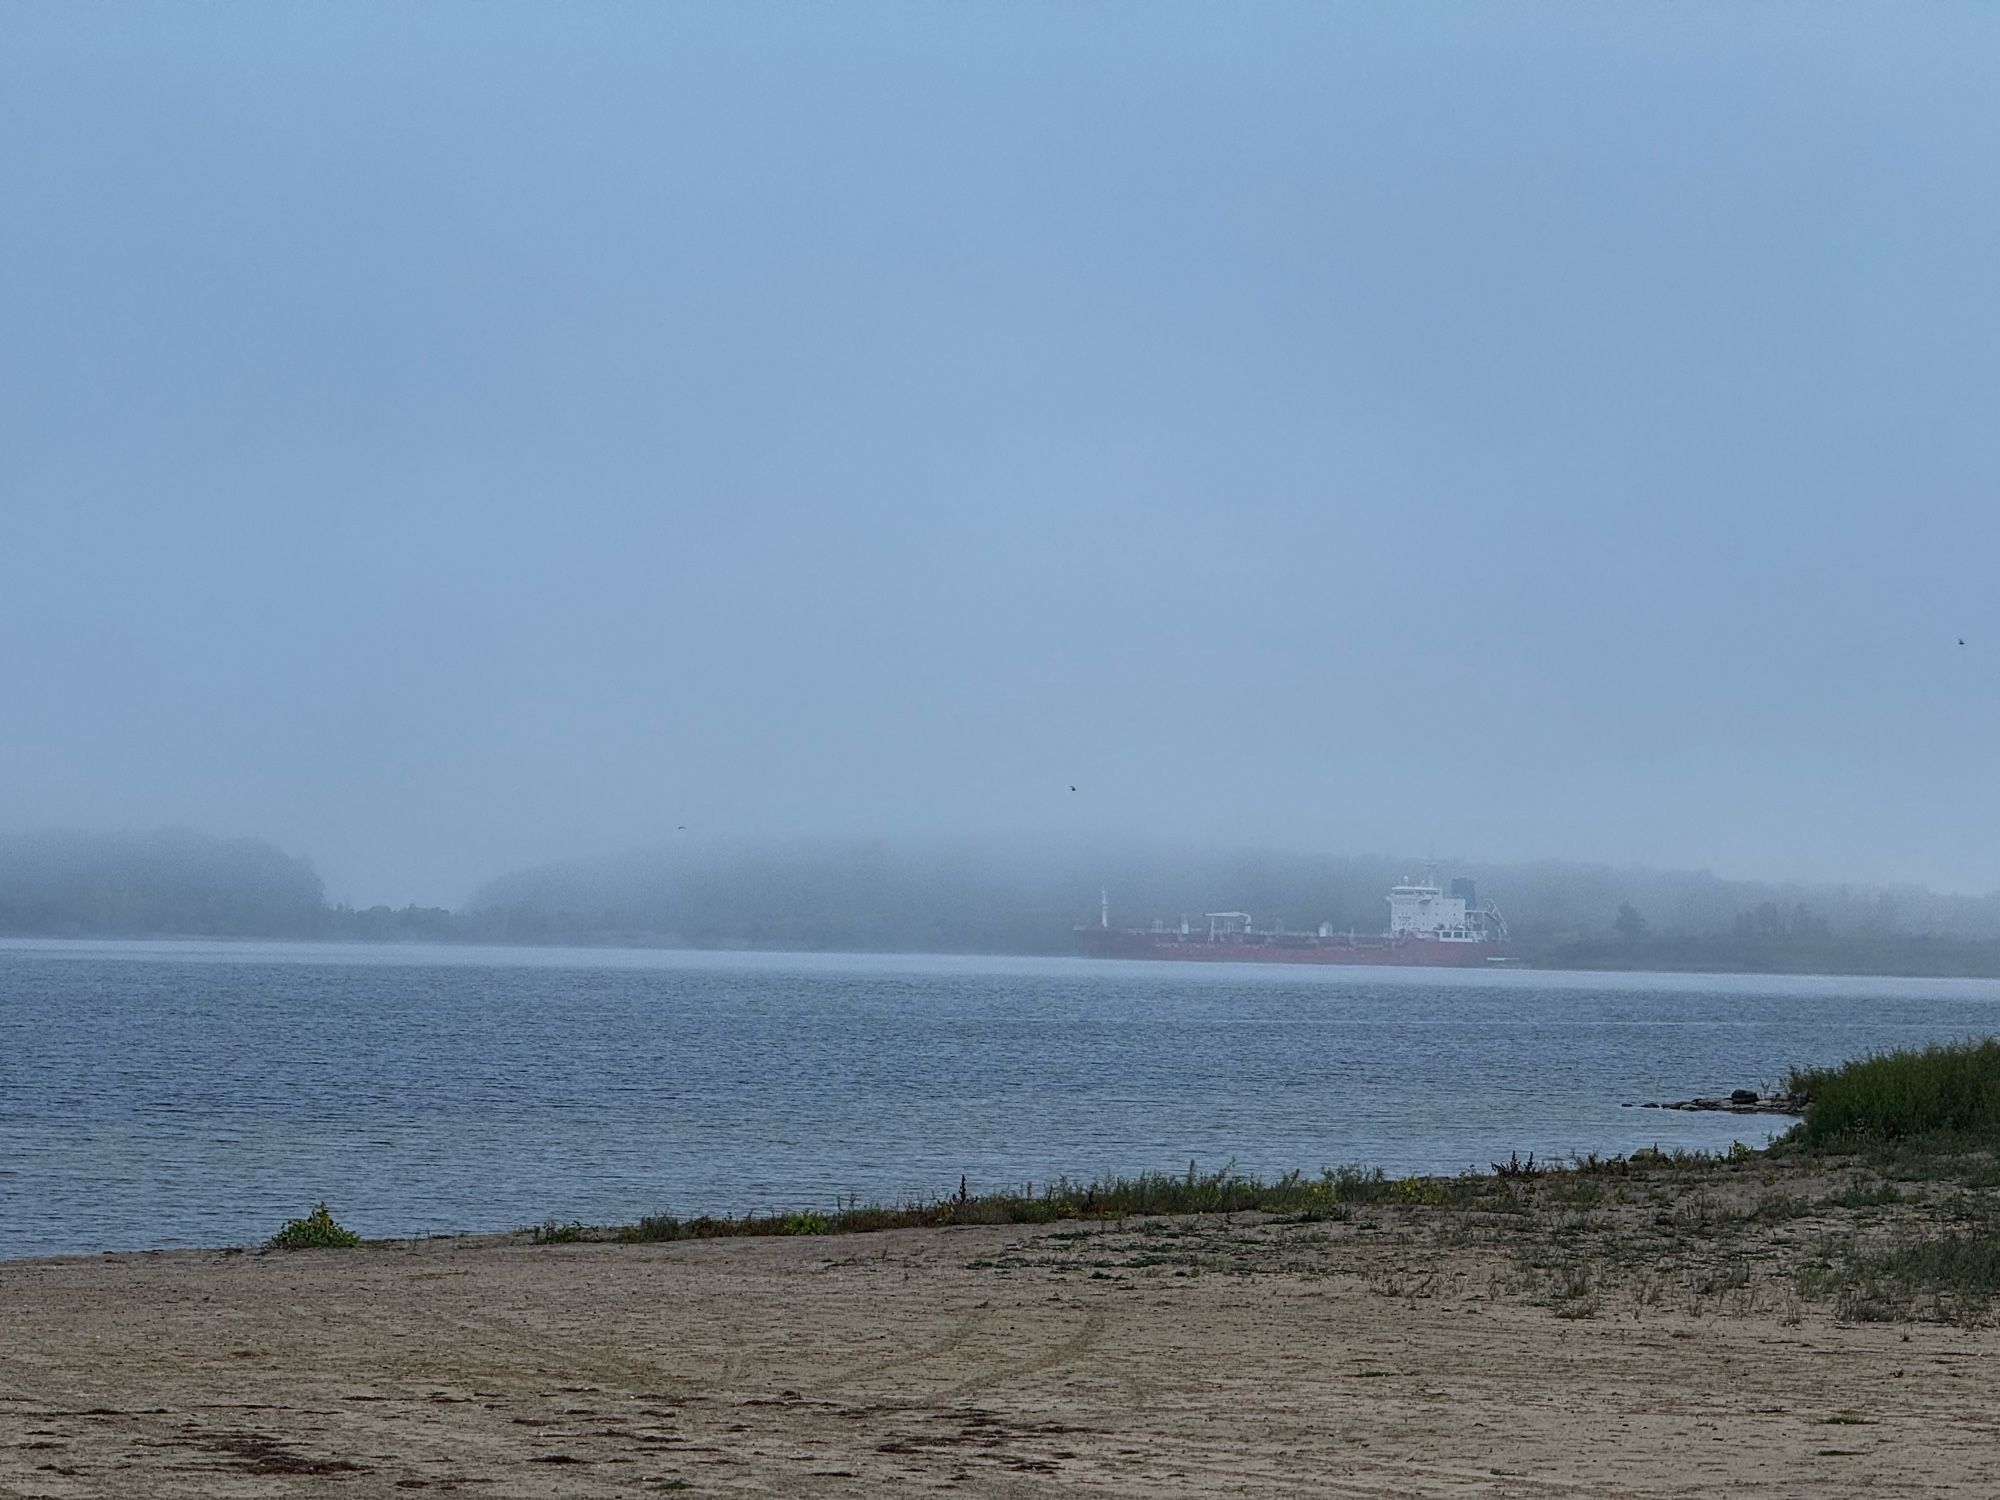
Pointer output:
1949, 1094
1882, 1205
1927, 1115
1738, 1234
1147, 1195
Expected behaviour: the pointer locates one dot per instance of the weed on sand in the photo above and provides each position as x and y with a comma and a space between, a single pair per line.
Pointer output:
316, 1231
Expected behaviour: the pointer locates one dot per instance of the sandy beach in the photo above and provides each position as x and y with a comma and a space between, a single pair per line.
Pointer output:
1391, 1351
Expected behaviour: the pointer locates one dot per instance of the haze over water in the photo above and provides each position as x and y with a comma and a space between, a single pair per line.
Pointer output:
441, 439
159, 1094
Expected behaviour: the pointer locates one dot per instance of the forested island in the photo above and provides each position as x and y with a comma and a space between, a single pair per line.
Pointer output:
981, 898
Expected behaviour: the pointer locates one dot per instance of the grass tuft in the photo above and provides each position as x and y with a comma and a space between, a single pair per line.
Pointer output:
316, 1231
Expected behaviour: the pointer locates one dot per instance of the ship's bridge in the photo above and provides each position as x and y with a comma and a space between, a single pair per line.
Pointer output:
1419, 909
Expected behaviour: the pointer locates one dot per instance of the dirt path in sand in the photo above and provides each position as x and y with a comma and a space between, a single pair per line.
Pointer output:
1192, 1357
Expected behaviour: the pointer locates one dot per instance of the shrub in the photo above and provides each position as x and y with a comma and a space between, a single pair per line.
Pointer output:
316, 1231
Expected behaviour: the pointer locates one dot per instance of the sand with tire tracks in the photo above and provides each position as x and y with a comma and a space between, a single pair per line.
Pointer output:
1360, 1358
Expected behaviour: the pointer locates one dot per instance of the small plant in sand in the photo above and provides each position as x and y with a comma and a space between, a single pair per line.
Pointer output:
316, 1231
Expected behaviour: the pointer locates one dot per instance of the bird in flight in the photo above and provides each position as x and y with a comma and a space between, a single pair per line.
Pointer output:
1960, 643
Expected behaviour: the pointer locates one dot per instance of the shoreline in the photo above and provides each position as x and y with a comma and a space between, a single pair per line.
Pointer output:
1682, 1336
1142, 1196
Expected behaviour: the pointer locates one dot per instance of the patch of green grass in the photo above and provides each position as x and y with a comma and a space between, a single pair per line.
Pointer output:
1730, 1276
1945, 1091
1294, 1196
1944, 1278
1646, 1161
1780, 1208
1697, 1214
1572, 1288
316, 1231
1486, 1205
1955, 1159
1881, 1195
652, 1227
1581, 1193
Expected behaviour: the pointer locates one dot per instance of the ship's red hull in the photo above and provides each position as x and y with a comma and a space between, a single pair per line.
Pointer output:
1099, 942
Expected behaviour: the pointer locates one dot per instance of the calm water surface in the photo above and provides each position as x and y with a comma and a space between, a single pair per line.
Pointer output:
190, 1093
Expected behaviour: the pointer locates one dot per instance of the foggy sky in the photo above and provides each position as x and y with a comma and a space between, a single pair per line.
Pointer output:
443, 438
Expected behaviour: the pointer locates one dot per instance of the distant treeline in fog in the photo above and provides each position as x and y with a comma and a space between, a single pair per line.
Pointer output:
169, 883
985, 898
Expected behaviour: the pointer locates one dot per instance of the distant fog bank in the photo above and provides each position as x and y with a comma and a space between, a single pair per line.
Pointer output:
996, 898
982, 897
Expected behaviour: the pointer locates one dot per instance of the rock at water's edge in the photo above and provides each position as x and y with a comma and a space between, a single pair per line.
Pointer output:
1741, 1102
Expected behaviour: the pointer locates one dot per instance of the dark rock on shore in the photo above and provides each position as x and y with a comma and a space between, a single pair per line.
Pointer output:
1741, 1102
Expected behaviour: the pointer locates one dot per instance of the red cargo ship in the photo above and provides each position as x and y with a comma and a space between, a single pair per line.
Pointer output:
1426, 927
